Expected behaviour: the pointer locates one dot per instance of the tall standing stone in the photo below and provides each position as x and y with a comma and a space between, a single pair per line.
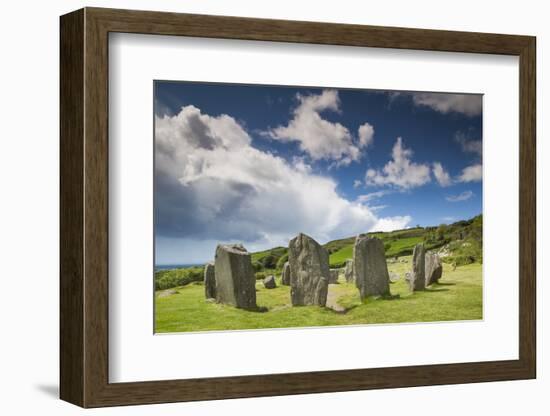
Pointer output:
433, 268
285, 276
209, 281
418, 278
309, 271
235, 282
348, 272
370, 268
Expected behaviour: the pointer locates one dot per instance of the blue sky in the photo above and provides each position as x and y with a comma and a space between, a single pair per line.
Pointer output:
258, 164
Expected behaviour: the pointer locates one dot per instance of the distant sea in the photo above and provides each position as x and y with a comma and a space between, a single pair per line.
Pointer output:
176, 266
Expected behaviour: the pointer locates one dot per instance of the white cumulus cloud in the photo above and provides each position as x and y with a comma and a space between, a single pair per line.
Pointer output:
372, 195
401, 171
441, 175
318, 137
464, 196
468, 144
472, 173
211, 184
468, 104
366, 135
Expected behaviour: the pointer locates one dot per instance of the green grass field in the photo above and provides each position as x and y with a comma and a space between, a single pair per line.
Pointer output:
457, 297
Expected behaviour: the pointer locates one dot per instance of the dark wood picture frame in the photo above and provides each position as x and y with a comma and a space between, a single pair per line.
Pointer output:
84, 207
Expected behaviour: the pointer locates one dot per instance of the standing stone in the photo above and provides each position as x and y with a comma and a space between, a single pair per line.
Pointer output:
269, 282
285, 276
370, 268
333, 276
309, 271
418, 279
348, 272
434, 268
209, 281
235, 282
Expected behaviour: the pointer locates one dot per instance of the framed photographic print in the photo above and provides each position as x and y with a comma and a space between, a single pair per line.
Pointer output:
259, 207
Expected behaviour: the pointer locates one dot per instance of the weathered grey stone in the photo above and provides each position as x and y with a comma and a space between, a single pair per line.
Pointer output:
348, 272
309, 271
209, 281
418, 279
433, 268
370, 268
269, 282
394, 277
285, 276
235, 282
408, 276
333, 278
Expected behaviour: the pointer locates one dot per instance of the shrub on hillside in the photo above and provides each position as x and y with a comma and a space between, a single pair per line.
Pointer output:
260, 275
166, 279
257, 266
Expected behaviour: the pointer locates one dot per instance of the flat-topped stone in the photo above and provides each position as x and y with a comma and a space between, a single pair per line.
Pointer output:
369, 267
235, 282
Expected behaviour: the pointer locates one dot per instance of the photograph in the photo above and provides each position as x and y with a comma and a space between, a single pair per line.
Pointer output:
286, 206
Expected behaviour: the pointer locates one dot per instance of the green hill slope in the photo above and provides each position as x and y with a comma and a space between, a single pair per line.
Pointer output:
460, 243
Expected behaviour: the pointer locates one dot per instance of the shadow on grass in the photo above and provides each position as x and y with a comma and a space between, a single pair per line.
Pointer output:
446, 284
433, 290
390, 297
258, 309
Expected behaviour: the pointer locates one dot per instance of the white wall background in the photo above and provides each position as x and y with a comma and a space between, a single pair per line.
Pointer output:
29, 159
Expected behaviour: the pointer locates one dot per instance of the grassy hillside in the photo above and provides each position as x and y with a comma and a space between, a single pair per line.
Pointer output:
460, 243
457, 297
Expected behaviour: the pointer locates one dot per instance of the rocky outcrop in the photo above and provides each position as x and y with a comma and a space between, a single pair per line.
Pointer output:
348, 271
269, 282
309, 271
417, 280
235, 282
370, 268
285, 276
209, 281
433, 268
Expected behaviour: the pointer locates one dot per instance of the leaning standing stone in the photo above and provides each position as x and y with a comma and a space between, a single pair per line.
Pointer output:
370, 268
235, 282
269, 282
209, 281
285, 276
348, 272
418, 279
434, 268
309, 271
